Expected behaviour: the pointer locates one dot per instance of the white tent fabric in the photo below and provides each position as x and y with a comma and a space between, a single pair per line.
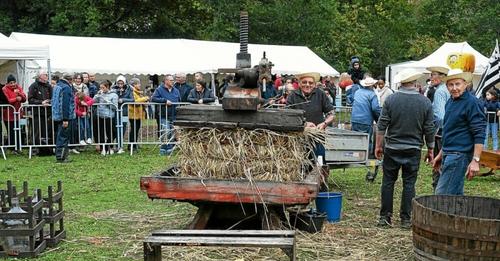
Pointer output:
162, 56
438, 58
19, 59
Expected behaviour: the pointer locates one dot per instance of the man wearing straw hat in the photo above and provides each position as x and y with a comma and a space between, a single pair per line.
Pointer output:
406, 119
441, 96
314, 102
464, 128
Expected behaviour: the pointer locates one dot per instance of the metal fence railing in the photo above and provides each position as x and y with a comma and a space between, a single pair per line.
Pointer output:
127, 126
9, 132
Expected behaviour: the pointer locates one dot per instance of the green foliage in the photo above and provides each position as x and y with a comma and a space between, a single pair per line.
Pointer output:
380, 32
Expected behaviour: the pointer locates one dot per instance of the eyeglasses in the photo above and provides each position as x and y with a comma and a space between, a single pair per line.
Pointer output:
307, 82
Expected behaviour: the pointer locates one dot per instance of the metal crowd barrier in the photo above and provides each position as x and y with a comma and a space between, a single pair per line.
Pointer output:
141, 124
41, 130
9, 129
342, 117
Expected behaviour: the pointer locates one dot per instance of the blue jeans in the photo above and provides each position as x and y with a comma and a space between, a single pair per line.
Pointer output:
453, 169
166, 133
394, 160
62, 140
85, 130
492, 127
359, 127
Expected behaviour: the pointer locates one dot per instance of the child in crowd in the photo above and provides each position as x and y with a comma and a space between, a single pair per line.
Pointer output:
82, 107
492, 108
106, 116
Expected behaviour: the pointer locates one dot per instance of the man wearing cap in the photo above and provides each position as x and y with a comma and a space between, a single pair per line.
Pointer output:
441, 96
406, 119
365, 109
463, 136
314, 102
63, 111
40, 93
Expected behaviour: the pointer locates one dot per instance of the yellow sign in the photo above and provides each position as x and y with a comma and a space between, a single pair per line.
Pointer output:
464, 61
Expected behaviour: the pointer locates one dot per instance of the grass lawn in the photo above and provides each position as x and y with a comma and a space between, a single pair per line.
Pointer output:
107, 216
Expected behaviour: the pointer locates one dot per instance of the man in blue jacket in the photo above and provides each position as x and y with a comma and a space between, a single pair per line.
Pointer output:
63, 111
168, 95
365, 109
464, 128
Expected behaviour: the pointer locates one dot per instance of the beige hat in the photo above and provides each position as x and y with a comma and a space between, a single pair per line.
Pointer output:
458, 74
369, 81
407, 75
314, 75
439, 69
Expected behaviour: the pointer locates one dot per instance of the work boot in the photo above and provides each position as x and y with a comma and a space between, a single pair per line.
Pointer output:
405, 223
65, 154
384, 222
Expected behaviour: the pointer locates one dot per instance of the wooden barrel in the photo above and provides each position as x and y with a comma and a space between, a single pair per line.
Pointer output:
456, 228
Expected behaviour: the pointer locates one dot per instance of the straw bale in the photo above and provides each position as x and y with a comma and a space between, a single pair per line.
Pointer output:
258, 154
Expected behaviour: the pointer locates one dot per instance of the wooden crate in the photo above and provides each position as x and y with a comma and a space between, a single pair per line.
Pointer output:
54, 215
34, 216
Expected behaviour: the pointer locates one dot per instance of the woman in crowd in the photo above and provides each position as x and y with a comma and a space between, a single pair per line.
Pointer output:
124, 92
106, 116
82, 107
382, 90
200, 94
492, 108
136, 112
78, 84
15, 96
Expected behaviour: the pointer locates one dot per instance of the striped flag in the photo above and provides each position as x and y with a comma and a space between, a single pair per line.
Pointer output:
491, 75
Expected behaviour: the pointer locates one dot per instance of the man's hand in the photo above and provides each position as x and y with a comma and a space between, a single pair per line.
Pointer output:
379, 152
169, 103
310, 124
84, 113
200, 101
83, 103
18, 98
65, 124
46, 102
120, 100
472, 169
16, 91
436, 163
429, 157
321, 126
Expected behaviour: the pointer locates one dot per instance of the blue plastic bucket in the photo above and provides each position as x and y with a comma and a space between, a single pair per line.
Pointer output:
331, 204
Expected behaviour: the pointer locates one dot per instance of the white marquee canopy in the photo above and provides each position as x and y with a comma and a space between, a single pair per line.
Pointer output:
162, 56
438, 58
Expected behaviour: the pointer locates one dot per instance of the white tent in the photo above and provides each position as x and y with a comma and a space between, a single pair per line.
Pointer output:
162, 56
18, 59
438, 58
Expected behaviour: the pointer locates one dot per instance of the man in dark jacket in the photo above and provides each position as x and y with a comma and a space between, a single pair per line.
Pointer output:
183, 87
315, 104
63, 111
40, 93
406, 119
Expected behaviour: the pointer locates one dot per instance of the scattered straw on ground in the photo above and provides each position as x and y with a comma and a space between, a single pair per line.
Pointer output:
250, 154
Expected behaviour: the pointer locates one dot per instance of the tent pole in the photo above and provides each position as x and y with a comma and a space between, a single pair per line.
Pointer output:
214, 88
49, 71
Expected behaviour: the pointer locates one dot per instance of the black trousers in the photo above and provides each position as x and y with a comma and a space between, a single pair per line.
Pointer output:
394, 160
